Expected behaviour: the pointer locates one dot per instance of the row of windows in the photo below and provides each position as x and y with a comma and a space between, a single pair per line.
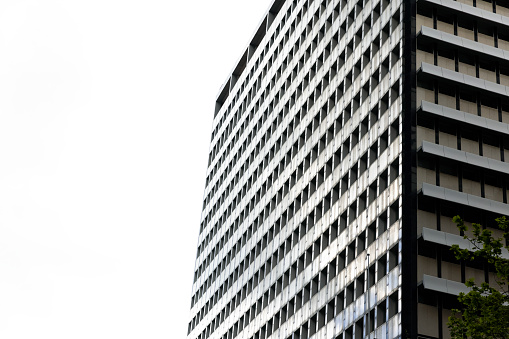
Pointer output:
317, 321
353, 291
351, 142
494, 70
363, 31
342, 148
348, 216
227, 132
249, 75
312, 23
465, 139
481, 30
464, 178
469, 138
339, 155
438, 215
499, 7
378, 146
265, 93
252, 134
332, 163
300, 88
463, 98
358, 330
354, 210
366, 56
346, 84
355, 104
439, 261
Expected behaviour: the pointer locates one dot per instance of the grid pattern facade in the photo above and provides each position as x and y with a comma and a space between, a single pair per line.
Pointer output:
343, 142
462, 141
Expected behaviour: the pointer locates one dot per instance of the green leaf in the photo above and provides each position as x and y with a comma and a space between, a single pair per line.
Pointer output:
485, 309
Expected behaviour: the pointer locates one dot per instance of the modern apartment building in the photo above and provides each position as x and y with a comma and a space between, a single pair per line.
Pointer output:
344, 141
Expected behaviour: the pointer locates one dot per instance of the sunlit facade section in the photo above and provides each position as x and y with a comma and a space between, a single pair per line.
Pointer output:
345, 138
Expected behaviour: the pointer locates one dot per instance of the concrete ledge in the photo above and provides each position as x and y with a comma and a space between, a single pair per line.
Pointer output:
477, 13
464, 199
447, 239
464, 157
463, 43
443, 285
466, 80
464, 117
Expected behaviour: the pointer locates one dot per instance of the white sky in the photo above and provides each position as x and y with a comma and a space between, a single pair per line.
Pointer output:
105, 118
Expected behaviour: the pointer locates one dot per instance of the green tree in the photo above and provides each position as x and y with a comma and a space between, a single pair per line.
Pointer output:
485, 310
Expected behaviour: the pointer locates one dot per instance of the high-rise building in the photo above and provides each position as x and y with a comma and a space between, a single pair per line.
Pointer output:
344, 141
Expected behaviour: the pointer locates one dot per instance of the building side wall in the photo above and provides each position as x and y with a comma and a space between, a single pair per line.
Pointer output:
462, 106
336, 110
304, 181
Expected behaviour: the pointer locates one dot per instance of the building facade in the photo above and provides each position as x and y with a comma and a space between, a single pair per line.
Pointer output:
344, 141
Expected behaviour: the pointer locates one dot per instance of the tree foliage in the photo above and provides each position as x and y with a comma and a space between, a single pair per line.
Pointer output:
485, 309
